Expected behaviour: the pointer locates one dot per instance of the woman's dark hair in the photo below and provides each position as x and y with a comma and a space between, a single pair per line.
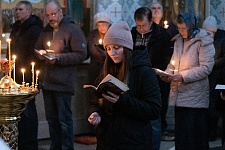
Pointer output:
120, 71
142, 12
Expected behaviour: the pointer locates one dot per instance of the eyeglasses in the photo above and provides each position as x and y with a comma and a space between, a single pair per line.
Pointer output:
145, 26
156, 8
53, 14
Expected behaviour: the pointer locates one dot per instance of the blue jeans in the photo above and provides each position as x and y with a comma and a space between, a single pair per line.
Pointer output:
156, 134
59, 116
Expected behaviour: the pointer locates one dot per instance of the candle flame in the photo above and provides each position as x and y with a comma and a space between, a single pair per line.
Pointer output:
49, 43
165, 22
22, 70
100, 41
173, 62
14, 57
37, 72
32, 63
8, 40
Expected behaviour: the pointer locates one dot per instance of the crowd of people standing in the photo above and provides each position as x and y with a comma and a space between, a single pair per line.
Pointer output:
135, 119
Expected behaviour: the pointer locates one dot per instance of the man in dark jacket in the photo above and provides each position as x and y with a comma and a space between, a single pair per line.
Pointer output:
24, 34
57, 75
148, 34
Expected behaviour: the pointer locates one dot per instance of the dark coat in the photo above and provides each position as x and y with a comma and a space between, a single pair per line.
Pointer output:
219, 58
70, 45
126, 125
97, 55
24, 37
218, 73
158, 46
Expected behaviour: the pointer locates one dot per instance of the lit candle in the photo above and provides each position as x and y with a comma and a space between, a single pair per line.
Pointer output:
173, 63
100, 41
14, 67
32, 71
9, 51
49, 44
37, 73
166, 24
23, 70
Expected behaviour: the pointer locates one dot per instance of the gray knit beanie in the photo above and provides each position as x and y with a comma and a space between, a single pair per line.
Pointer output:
210, 24
101, 16
119, 34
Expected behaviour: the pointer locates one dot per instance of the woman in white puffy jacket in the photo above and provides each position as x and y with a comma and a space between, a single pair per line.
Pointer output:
193, 60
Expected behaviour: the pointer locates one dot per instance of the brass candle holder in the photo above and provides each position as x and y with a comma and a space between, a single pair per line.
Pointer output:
13, 99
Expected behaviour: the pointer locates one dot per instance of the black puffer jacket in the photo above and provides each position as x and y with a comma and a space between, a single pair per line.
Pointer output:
158, 46
126, 125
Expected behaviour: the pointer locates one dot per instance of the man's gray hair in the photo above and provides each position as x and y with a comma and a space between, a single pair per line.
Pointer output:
27, 4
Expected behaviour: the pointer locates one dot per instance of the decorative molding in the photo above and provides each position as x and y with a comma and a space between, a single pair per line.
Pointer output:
217, 9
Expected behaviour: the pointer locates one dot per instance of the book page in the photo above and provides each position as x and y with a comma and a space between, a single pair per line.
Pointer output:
118, 83
49, 54
50, 57
89, 86
220, 87
161, 73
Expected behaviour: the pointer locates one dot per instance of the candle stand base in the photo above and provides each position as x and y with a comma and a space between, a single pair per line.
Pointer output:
13, 100
9, 133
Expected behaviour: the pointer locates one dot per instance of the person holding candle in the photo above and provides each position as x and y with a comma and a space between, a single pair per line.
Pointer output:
57, 75
94, 45
24, 34
147, 34
189, 90
163, 17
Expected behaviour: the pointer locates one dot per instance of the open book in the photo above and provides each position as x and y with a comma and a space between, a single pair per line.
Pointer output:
220, 87
50, 54
109, 83
161, 73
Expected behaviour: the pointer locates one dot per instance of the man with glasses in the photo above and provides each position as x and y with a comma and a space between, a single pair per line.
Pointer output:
147, 34
24, 34
57, 75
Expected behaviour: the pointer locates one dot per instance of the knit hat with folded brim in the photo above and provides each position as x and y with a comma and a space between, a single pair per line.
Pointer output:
101, 16
119, 34
210, 24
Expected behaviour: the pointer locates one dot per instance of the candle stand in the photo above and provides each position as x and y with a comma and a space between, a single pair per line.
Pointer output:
13, 100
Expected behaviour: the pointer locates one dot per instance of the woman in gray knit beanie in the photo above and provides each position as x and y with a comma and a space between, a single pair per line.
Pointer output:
119, 34
124, 121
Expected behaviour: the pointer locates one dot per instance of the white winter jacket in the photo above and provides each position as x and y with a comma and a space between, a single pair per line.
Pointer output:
194, 60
